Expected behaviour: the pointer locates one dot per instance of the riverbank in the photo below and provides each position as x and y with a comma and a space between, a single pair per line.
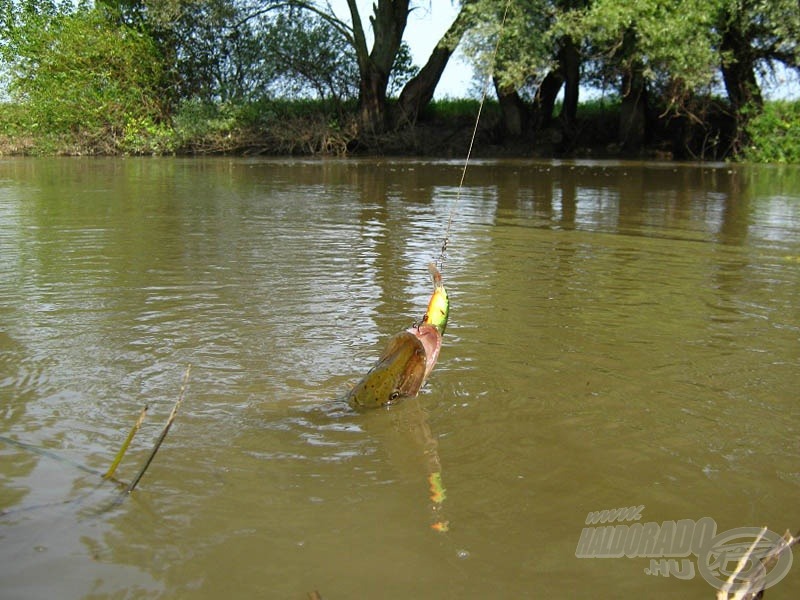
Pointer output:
310, 128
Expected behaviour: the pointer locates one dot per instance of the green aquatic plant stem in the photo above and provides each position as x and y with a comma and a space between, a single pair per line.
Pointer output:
118, 458
163, 435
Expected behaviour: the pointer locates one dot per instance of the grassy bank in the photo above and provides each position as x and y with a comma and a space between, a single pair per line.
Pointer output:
308, 127
274, 127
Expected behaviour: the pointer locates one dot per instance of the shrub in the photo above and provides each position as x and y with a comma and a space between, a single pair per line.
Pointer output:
83, 76
774, 134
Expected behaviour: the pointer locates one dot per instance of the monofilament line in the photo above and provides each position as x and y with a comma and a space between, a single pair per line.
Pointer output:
446, 240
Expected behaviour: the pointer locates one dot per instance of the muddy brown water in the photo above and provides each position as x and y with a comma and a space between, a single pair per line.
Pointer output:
620, 335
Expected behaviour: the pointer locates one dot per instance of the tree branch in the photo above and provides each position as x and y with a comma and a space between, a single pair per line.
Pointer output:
327, 16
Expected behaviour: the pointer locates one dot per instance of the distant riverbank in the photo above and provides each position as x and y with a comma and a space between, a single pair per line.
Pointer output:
445, 128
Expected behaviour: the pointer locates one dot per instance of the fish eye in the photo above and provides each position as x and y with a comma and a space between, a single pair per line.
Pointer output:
394, 396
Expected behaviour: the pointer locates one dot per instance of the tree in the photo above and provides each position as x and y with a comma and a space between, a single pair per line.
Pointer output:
418, 92
641, 46
754, 35
376, 65
534, 59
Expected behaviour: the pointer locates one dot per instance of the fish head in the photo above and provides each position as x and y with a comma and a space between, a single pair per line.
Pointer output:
399, 373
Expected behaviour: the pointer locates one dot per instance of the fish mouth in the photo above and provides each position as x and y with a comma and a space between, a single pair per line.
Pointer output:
431, 339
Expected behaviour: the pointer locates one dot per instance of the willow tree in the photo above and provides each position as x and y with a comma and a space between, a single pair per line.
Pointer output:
376, 62
374, 65
533, 61
754, 37
640, 48
679, 48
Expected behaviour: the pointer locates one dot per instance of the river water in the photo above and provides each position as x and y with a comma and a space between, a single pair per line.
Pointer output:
621, 335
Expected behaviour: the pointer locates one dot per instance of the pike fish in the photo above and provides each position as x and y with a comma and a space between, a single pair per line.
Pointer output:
409, 357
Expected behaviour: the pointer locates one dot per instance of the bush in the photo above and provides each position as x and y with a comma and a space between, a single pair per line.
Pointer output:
84, 78
774, 134
281, 126
143, 136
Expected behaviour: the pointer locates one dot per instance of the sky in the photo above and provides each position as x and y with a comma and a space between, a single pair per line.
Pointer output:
430, 20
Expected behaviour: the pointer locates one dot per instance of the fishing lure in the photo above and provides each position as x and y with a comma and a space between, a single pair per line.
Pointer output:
439, 304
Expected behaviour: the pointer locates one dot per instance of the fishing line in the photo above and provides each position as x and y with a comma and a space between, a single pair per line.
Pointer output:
446, 240
436, 487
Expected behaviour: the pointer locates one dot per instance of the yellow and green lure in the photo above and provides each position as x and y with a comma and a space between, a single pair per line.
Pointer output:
439, 304
409, 356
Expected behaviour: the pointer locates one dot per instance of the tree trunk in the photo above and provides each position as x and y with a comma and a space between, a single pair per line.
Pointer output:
388, 23
418, 92
739, 74
372, 115
739, 71
513, 109
546, 99
633, 111
633, 108
570, 60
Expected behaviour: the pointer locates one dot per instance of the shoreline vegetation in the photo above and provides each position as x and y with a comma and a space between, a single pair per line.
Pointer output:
293, 77
297, 127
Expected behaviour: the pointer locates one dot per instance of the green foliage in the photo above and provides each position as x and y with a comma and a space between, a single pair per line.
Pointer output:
195, 119
527, 47
651, 34
217, 52
12, 118
13, 137
306, 125
244, 51
774, 134
195, 122
82, 75
308, 56
144, 136
771, 28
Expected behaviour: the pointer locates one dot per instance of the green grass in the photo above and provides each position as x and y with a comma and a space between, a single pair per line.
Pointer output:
450, 109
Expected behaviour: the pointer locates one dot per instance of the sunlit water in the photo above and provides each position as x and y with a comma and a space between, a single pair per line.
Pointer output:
620, 335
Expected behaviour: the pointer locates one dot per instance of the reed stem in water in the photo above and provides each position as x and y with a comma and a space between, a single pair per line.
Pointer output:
164, 433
